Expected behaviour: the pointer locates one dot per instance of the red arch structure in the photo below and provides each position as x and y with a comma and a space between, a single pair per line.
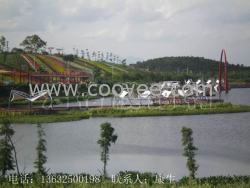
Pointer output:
223, 52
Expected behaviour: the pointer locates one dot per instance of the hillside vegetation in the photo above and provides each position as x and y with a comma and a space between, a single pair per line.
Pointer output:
195, 64
99, 65
153, 70
14, 60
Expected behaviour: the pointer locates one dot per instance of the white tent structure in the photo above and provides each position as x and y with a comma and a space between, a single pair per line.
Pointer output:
166, 93
209, 81
216, 87
198, 82
145, 94
199, 91
121, 98
182, 93
123, 94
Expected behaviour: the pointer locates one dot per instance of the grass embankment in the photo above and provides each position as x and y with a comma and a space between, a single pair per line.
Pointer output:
117, 67
75, 64
101, 66
2, 57
39, 62
83, 66
14, 60
146, 180
54, 65
73, 115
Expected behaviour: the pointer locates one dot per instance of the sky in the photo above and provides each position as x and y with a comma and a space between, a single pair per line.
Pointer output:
144, 29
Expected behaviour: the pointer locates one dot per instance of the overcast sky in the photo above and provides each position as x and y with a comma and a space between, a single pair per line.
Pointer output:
140, 28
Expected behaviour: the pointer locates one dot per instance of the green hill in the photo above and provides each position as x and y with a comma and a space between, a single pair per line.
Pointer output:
195, 64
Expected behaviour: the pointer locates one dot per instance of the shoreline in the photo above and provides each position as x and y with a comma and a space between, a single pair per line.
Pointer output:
76, 115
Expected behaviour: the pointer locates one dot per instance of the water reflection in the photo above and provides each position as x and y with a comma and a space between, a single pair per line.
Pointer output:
144, 144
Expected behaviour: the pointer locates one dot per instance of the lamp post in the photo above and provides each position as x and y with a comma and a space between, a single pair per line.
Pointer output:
34, 62
112, 72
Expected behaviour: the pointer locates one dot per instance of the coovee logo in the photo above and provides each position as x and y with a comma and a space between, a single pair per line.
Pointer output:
142, 90
126, 95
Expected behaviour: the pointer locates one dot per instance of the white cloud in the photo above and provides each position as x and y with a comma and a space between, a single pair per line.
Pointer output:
123, 33
144, 28
139, 14
103, 33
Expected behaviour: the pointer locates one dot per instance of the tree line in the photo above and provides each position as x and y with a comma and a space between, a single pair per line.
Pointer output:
35, 44
193, 67
186, 64
152, 70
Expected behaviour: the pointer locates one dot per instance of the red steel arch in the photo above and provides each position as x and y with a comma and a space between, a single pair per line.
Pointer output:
223, 52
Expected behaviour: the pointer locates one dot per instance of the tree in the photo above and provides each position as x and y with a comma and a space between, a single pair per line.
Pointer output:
69, 58
83, 54
107, 137
97, 75
189, 150
17, 50
6, 158
2, 43
44, 52
33, 43
41, 148
124, 62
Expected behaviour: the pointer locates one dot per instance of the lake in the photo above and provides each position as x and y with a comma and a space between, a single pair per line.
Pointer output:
145, 143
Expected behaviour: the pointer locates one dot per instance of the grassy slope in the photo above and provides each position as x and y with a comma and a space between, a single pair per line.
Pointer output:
101, 66
14, 60
54, 65
83, 64
75, 64
56, 57
117, 67
2, 57
46, 68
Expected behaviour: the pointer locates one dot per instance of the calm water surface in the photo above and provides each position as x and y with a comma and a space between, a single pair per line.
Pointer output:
145, 143
236, 96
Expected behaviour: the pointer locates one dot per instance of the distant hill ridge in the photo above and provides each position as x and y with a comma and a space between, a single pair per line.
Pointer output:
195, 64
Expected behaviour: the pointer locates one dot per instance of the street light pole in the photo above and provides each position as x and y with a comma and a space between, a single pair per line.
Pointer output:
68, 67
112, 72
34, 62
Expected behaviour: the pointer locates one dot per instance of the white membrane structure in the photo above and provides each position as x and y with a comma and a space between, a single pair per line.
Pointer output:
16, 95
19, 95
